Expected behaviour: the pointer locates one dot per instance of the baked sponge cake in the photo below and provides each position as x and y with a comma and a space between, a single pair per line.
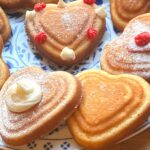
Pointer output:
4, 70
122, 11
21, 4
130, 52
5, 29
34, 102
112, 106
66, 33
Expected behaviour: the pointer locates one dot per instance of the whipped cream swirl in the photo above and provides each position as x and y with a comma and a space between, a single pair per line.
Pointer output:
23, 95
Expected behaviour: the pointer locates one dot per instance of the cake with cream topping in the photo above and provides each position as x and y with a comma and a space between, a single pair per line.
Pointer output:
34, 102
66, 33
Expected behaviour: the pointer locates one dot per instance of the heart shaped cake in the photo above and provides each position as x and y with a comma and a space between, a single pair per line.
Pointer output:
66, 33
122, 11
34, 102
4, 26
21, 4
4, 71
130, 52
111, 107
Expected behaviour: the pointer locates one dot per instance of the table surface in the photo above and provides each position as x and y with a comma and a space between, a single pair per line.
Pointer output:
139, 142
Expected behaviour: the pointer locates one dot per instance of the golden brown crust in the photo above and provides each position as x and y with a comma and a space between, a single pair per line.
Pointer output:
4, 71
112, 107
122, 11
5, 29
60, 34
61, 96
21, 4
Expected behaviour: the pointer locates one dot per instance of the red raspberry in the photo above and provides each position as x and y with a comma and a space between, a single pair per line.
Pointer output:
90, 2
40, 37
39, 6
142, 39
91, 33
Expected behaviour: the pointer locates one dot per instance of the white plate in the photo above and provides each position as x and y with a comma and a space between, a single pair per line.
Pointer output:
18, 54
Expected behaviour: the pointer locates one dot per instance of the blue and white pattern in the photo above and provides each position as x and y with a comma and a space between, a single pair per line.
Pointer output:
19, 53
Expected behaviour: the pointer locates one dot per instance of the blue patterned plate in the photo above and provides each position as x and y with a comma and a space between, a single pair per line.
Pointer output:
19, 52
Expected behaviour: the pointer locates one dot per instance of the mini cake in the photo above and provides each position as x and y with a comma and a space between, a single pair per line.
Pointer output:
112, 106
130, 52
34, 102
21, 4
122, 11
66, 33
4, 26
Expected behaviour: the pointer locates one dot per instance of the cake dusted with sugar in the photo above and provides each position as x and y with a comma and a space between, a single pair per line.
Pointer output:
66, 33
130, 52
34, 102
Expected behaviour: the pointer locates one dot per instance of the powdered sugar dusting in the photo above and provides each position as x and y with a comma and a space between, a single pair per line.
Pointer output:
133, 47
136, 28
67, 20
52, 99
72, 21
124, 55
68, 24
